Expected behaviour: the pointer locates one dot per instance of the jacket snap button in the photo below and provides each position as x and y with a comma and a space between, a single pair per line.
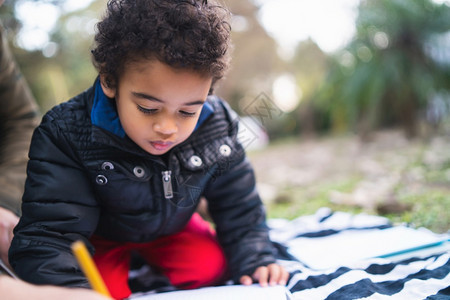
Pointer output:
107, 166
139, 171
195, 161
225, 150
101, 180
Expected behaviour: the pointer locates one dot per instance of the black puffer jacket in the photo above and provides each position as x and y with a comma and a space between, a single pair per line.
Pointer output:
85, 180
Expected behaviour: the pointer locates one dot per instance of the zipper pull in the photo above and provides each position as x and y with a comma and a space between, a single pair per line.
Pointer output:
167, 184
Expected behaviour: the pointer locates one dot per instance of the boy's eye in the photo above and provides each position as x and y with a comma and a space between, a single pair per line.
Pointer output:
147, 110
187, 114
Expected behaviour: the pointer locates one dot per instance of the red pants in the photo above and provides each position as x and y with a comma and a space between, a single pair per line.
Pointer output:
190, 259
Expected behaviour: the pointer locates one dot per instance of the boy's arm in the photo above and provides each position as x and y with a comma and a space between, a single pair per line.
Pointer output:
239, 215
58, 208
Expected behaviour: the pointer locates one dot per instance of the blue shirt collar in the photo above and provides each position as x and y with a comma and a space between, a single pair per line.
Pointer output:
104, 113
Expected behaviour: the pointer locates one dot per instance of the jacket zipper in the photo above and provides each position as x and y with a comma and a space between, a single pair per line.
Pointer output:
167, 184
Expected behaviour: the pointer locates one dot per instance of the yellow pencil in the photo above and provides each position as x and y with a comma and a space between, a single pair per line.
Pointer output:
89, 268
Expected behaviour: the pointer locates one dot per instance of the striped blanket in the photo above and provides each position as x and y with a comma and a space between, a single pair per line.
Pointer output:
336, 255
422, 273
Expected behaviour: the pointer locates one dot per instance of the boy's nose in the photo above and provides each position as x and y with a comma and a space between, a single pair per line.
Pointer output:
166, 126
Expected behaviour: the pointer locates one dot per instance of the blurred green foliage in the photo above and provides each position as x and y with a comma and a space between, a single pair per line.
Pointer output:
393, 70
68, 71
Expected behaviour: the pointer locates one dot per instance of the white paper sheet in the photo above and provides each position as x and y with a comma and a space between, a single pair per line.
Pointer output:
234, 292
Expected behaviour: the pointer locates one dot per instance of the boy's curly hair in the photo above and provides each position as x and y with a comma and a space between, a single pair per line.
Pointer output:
187, 34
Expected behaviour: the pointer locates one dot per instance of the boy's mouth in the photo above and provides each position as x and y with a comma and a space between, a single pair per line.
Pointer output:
160, 145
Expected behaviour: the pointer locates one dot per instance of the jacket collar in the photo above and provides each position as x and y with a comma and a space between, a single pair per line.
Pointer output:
104, 113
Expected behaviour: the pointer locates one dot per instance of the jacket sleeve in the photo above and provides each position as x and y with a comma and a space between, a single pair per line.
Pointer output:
239, 215
58, 208
19, 115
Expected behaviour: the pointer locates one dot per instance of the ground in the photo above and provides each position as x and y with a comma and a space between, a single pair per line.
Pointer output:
406, 180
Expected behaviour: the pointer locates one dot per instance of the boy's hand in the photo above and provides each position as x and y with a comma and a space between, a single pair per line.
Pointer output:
273, 274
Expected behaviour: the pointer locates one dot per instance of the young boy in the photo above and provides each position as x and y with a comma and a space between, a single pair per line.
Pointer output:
122, 166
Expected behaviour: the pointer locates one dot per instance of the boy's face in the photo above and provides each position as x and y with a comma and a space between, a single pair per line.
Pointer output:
158, 106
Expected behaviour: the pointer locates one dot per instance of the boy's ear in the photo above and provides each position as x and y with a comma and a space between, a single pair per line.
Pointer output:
109, 92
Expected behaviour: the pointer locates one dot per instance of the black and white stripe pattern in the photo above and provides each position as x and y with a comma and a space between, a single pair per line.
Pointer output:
421, 277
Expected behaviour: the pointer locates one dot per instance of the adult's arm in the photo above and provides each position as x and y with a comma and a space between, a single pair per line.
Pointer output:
13, 289
19, 115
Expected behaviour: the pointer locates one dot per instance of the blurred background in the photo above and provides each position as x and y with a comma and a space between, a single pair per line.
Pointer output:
344, 104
